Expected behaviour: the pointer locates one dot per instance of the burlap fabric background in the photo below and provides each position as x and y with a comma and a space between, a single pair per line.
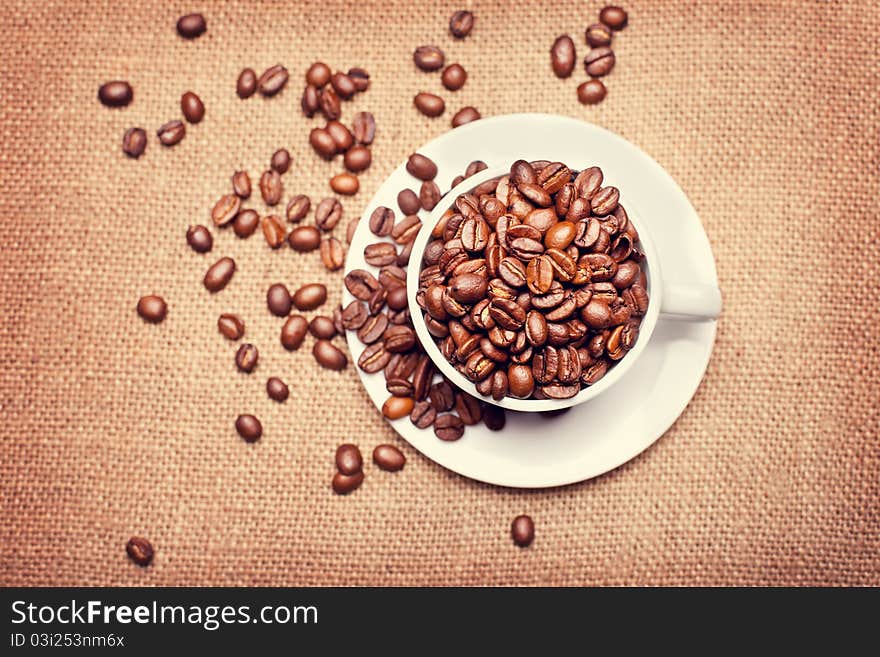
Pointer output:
766, 114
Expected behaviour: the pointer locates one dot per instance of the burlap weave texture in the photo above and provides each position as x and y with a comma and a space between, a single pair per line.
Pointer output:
766, 113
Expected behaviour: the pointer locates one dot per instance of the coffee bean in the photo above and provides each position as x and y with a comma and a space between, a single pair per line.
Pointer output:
360, 78
522, 530
373, 328
461, 24
405, 253
399, 338
599, 62
520, 381
345, 183
310, 296
318, 74
152, 308
278, 300
277, 389
395, 408
219, 274
591, 92
310, 101
280, 161
192, 107
421, 166
322, 327
423, 415
614, 17
171, 133
604, 201
429, 195
406, 229
134, 142
374, 358
297, 208
361, 284
272, 80
330, 105
429, 58
241, 184
249, 428
332, 253
399, 387
191, 26
357, 158
465, 115
342, 137
494, 417
442, 396
408, 202
448, 427
246, 358
271, 187
294, 332
380, 254
429, 104
230, 326
225, 209
468, 408
348, 459
389, 458
350, 228
116, 93
354, 316
139, 550
322, 142
199, 238
453, 77
328, 213
328, 355
364, 128
598, 35
562, 56
382, 221
246, 84
344, 484
397, 298
343, 85
273, 231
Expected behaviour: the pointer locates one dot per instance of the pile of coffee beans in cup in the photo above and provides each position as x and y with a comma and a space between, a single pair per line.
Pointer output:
533, 284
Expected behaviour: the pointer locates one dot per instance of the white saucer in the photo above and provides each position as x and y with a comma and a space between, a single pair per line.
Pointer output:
606, 432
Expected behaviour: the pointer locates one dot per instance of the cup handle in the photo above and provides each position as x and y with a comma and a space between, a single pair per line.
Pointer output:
691, 302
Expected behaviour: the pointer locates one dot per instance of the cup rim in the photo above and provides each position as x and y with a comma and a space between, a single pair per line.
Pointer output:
646, 329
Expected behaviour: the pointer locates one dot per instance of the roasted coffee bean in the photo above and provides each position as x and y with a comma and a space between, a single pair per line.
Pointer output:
271, 187
191, 26
429, 195
318, 74
139, 550
373, 328
553, 176
350, 228
273, 231
465, 115
328, 213
343, 85
594, 373
342, 137
494, 417
360, 78
395, 408
499, 386
399, 387
361, 284
249, 428
627, 274
522, 530
468, 288
478, 366
246, 358
322, 142
475, 234
389, 458
344, 484
599, 62
468, 408
461, 23
330, 105
408, 202
406, 229
545, 364
399, 338
374, 358
280, 161
512, 271
591, 92
560, 235
428, 104
354, 315
328, 355
442, 396
536, 194
272, 80
448, 427
199, 239
278, 300
364, 128
564, 268
332, 253
521, 382
596, 315
421, 167
116, 93
297, 208
241, 184
304, 239
453, 77
134, 142
423, 414
357, 159
588, 182
277, 389
598, 35
246, 85
397, 298
382, 221
225, 209
294, 332
604, 201
348, 459
171, 133
539, 275
192, 107
152, 308
562, 56
536, 328
310, 296
380, 254
614, 17
392, 276
230, 326
310, 101
219, 274
428, 58
345, 183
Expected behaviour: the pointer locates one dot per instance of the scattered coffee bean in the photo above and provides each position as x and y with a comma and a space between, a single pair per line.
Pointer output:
249, 428
429, 195
304, 239
345, 183
230, 326
330, 105
423, 414
343, 85
278, 300
311, 101
454, 76
494, 417
318, 74
294, 332
280, 161
382, 221
139, 550
192, 107
344, 484
341, 136
591, 92
380, 254
614, 17
277, 389
219, 274
332, 253
134, 142
322, 327
246, 223
116, 93
328, 213
171, 133
364, 128
522, 530
461, 24
448, 427
191, 26
428, 104
246, 358
272, 80
360, 78
562, 56
246, 85
297, 208
273, 231
598, 35
428, 58
357, 158
225, 209
395, 408
322, 142
406, 229
152, 308
421, 167
408, 202
241, 184
361, 284
199, 239
465, 115
310, 296
389, 458
348, 459
328, 355
271, 187
599, 62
